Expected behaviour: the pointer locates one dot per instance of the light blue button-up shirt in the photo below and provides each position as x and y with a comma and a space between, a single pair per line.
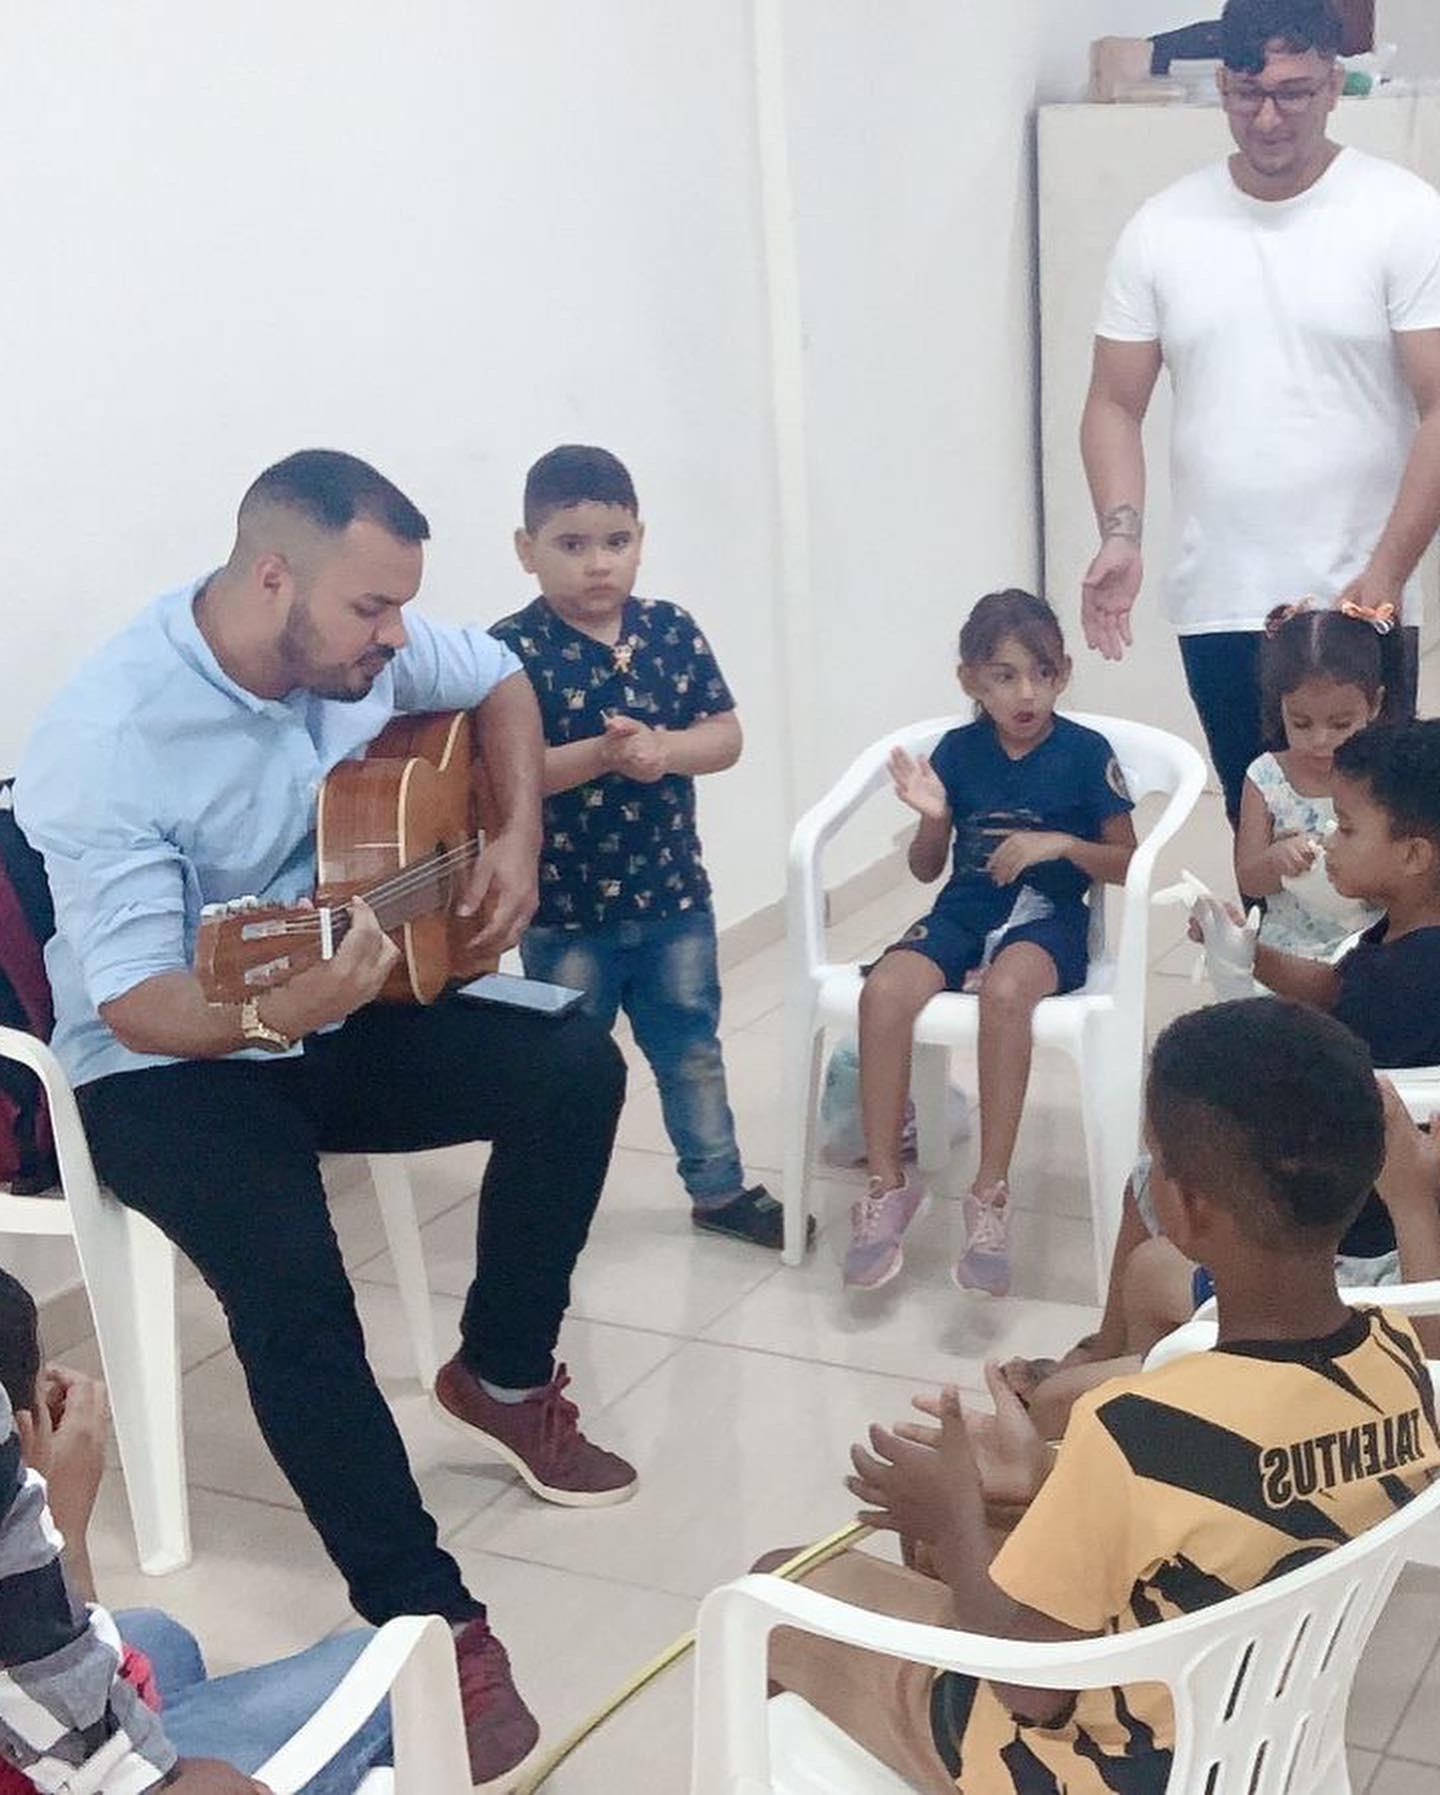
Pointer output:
154, 785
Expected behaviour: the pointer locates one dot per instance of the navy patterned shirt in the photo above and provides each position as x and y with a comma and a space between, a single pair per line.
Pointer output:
617, 849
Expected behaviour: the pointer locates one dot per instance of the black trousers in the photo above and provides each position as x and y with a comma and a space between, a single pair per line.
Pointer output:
1223, 674
222, 1155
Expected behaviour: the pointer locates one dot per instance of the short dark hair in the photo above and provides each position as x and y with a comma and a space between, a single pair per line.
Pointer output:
576, 474
1304, 643
19, 1343
1012, 613
1270, 1108
332, 489
1399, 763
1249, 27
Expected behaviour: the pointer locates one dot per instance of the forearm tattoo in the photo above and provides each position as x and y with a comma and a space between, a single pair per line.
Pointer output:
1123, 521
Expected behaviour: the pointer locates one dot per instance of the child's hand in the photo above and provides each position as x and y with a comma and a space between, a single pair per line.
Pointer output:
1291, 855
1024, 849
918, 1488
636, 751
1010, 1455
1410, 1177
81, 1415
918, 785
1230, 941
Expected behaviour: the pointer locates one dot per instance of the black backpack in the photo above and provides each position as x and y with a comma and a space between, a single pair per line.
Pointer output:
27, 921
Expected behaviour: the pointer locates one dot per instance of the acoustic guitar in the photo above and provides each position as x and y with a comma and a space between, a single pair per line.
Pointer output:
400, 828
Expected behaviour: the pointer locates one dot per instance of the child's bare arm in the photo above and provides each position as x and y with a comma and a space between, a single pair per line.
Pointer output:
1254, 837
929, 849
709, 746
932, 1493
1287, 975
1410, 1189
577, 763
1106, 861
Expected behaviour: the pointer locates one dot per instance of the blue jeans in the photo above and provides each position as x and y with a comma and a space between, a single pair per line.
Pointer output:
243, 1719
665, 977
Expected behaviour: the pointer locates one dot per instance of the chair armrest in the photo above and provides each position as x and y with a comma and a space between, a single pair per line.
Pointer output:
1140, 876
866, 775
416, 1648
750, 1607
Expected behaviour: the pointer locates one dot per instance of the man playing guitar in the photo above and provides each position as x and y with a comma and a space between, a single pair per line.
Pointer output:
180, 766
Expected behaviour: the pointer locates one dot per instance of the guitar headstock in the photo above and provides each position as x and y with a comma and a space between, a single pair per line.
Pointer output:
246, 947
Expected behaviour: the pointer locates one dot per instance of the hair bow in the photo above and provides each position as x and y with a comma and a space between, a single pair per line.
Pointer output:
1380, 617
1283, 614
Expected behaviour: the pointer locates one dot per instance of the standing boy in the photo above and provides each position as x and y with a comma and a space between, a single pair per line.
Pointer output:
634, 706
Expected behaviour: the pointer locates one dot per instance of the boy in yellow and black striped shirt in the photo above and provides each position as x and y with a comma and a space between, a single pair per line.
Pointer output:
1172, 1489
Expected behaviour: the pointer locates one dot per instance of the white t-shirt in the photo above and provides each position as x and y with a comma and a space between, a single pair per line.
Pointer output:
1293, 421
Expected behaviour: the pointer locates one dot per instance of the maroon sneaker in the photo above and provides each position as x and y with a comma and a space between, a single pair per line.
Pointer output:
500, 1730
540, 1437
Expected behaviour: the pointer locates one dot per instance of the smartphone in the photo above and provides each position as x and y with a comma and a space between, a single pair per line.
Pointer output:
522, 994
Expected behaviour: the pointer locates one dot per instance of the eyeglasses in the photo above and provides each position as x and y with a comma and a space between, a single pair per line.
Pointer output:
1290, 102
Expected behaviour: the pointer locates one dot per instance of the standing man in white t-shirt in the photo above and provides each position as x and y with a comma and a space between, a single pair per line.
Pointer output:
1294, 295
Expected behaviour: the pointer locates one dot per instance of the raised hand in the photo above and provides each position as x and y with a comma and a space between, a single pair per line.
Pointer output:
918, 785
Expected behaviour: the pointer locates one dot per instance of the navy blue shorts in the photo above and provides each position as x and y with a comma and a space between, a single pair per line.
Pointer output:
958, 948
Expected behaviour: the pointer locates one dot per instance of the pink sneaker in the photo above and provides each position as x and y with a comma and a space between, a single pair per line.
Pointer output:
985, 1262
878, 1221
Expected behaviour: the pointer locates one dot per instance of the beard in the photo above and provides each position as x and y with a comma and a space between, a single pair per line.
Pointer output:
300, 649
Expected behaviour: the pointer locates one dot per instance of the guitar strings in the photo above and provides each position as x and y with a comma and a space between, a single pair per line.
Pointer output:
412, 879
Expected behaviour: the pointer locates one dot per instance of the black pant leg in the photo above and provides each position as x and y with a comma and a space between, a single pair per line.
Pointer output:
1223, 673
546, 1093
222, 1156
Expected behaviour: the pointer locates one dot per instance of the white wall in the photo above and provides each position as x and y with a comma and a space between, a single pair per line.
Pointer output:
1415, 26
913, 204
444, 243
448, 236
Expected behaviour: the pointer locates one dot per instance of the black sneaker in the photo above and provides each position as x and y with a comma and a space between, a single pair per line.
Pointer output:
754, 1215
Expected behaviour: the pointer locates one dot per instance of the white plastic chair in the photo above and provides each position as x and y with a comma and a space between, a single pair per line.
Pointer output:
1260, 1682
1101, 1027
412, 1660
1200, 1332
129, 1270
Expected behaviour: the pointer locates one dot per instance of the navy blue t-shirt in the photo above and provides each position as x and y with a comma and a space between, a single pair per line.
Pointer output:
1069, 782
1390, 997
617, 849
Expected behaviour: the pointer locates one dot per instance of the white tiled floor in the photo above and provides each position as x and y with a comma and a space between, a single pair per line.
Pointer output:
734, 1384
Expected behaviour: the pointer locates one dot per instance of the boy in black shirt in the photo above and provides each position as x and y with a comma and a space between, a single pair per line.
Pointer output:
634, 707
1385, 850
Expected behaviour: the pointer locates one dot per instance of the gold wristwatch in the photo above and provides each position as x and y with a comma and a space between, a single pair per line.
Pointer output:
258, 1032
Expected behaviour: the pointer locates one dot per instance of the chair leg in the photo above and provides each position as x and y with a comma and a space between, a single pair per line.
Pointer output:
929, 1090
391, 1178
129, 1269
1110, 1098
804, 1044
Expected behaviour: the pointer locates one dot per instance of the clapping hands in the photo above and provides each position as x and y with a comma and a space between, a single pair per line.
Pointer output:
635, 750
